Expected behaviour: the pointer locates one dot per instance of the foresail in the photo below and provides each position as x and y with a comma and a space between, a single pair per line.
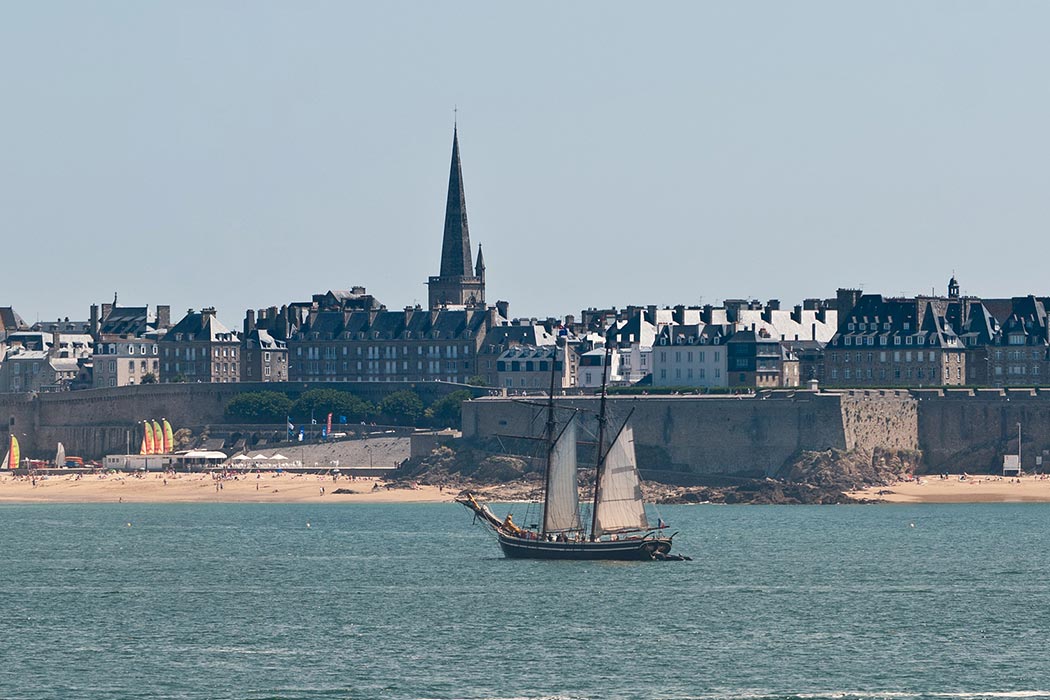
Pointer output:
620, 506
562, 511
60, 456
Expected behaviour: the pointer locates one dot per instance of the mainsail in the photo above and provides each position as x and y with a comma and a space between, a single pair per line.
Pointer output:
562, 511
147, 435
60, 456
14, 454
619, 503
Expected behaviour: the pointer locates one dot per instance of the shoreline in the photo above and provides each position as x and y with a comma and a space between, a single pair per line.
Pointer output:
960, 488
260, 487
273, 487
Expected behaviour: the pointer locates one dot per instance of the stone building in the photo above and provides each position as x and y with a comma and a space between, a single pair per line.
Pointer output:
264, 358
758, 360
200, 349
528, 368
499, 339
126, 350
348, 336
896, 342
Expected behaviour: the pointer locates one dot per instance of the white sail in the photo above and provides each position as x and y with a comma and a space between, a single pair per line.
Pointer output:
562, 511
60, 456
7, 460
620, 507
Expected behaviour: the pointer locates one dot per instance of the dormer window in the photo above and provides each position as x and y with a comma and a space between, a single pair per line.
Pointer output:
863, 326
850, 326
922, 340
907, 325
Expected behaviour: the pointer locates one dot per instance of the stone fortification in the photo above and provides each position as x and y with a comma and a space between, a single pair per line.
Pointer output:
753, 435
96, 422
970, 430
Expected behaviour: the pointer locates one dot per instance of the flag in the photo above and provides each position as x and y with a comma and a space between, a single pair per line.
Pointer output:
291, 428
342, 419
329, 422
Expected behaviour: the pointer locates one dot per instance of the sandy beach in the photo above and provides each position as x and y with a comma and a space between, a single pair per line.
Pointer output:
265, 487
956, 489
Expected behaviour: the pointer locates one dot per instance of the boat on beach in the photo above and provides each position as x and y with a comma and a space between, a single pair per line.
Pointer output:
619, 528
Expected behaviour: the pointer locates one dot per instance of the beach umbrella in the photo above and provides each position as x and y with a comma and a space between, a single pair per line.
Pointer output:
241, 458
278, 457
260, 456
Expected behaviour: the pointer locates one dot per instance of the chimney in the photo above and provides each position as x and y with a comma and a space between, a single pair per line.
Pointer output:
55, 344
679, 314
106, 308
249, 321
93, 321
773, 304
845, 300
163, 316
207, 312
796, 313
705, 313
504, 308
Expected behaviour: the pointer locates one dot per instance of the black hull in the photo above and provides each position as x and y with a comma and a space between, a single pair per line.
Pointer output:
640, 549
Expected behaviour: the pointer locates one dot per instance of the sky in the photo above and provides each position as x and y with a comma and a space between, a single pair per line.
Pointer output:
248, 154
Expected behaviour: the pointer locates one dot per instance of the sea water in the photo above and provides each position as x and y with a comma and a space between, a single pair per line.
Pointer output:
411, 601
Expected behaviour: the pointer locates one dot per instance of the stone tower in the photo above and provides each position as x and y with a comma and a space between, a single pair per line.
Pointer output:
459, 283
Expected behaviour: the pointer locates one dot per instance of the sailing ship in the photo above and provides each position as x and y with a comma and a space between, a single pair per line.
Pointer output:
619, 528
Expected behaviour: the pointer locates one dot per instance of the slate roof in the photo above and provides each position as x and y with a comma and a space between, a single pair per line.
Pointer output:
10, 320
199, 327
125, 320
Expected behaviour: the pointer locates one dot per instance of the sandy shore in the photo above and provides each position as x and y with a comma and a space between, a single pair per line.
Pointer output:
202, 488
954, 489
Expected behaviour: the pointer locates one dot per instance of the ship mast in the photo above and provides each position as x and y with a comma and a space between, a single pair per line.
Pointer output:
601, 437
550, 443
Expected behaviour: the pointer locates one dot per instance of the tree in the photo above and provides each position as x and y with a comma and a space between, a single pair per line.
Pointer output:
259, 407
316, 404
447, 411
402, 407
477, 380
149, 378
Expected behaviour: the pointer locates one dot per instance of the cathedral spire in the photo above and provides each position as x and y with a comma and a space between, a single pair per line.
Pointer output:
459, 283
455, 247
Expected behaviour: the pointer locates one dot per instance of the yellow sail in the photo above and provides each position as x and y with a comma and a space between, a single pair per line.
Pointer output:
147, 434
169, 438
142, 449
15, 457
158, 439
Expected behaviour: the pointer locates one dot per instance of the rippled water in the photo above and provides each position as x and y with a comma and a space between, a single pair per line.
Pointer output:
410, 601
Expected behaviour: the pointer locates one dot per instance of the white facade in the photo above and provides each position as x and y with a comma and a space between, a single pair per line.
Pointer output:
689, 363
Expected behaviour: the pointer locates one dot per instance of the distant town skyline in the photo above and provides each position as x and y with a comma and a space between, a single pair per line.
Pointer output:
205, 155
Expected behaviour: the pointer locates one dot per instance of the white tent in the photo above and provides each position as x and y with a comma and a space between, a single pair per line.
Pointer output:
260, 456
241, 458
278, 457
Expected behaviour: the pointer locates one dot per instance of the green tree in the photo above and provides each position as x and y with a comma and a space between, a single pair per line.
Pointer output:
477, 380
259, 407
447, 411
149, 378
316, 404
402, 407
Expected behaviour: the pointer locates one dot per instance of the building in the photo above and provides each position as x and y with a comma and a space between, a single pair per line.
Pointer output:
52, 368
756, 359
691, 355
264, 358
200, 349
460, 283
528, 368
896, 342
126, 349
509, 335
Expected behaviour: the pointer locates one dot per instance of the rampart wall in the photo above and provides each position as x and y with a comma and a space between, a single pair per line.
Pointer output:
96, 422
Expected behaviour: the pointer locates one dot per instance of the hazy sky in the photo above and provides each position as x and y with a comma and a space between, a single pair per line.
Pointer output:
247, 154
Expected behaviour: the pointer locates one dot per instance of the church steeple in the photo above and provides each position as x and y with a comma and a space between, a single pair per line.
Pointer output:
455, 247
459, 282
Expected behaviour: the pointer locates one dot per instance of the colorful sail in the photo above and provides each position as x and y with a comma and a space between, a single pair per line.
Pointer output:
158, 439
169, 438
60, 456
14, 457
147, 437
